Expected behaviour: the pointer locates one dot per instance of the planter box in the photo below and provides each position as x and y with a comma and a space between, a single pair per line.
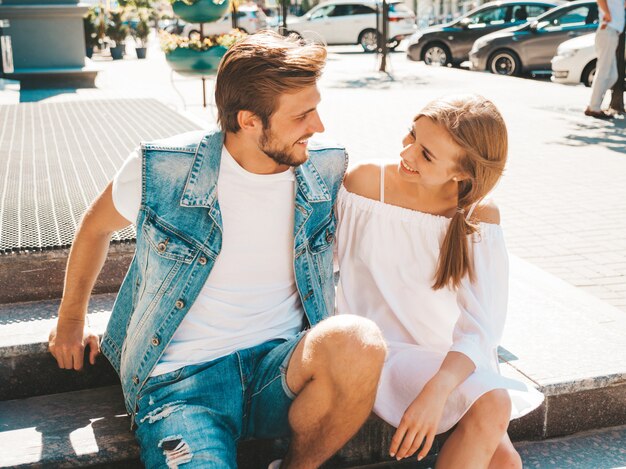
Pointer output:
189, 61
203, 11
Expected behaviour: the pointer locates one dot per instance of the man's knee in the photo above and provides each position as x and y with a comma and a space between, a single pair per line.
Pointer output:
348, 343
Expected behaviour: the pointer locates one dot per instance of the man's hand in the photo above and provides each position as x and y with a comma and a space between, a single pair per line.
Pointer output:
419, 424
67, 343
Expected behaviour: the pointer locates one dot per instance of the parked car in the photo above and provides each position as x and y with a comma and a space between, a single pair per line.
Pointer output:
531, 46
575, 61
353, 22
250, 19
450, 43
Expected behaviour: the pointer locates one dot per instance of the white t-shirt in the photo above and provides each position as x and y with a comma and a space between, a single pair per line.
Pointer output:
250, 296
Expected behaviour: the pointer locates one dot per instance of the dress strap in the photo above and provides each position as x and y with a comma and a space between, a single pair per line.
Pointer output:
471, 210
382, 182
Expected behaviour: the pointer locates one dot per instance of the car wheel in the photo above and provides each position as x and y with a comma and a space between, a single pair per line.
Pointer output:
504, 62
589, 74
369, 40
436, 54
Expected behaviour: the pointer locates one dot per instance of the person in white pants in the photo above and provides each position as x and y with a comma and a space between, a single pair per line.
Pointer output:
612, 17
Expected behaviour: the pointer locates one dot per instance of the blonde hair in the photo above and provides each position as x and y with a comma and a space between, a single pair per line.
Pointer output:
257, 70
475, 124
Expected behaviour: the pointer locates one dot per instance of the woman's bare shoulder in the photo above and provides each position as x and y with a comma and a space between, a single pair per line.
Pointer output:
364, 179
487, 212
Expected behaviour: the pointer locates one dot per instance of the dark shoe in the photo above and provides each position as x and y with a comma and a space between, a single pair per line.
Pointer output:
598, 114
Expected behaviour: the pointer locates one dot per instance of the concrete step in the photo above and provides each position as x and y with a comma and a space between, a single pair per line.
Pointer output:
26, 366
39, 275
559, 339
90, 429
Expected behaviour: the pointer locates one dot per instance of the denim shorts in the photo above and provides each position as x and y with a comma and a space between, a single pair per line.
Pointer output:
196, 415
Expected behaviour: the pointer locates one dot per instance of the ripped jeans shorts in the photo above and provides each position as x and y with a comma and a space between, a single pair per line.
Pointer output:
195, 416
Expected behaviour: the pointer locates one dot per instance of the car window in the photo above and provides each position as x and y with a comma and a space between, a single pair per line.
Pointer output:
571, 17
322, 12
536, 10
489, 16
341, 10
362, 10
518, 13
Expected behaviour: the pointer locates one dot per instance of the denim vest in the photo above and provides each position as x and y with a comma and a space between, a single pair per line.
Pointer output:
179, 236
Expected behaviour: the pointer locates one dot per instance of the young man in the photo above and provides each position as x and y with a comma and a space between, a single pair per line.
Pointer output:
233, 262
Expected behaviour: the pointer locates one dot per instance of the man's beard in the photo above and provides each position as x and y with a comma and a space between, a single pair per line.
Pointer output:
285, 154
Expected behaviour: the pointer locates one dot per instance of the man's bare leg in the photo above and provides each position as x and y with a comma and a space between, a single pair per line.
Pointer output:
334, 371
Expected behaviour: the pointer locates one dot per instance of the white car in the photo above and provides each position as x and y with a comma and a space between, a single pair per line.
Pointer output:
353, 22
250, 19
575, 61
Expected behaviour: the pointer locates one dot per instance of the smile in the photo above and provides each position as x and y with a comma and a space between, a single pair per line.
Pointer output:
407, 167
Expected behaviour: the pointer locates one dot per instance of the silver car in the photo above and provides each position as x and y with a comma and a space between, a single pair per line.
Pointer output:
531, 46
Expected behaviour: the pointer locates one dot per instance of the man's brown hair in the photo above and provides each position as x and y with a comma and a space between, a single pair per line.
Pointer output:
257, 70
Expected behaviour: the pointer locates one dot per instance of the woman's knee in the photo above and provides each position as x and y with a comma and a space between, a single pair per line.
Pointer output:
506, 457
491, 413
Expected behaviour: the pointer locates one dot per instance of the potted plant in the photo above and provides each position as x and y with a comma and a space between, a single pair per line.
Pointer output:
90, 26
117, 31
200, 11
140, 33
197, 55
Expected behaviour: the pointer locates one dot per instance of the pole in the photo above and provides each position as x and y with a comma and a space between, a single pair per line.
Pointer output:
204, 92
383, 41
284, 8
234, 19
617, 92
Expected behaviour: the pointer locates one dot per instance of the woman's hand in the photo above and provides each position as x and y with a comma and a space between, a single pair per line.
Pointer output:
419, 424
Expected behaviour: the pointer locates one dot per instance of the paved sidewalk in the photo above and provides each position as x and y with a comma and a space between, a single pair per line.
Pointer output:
563, 199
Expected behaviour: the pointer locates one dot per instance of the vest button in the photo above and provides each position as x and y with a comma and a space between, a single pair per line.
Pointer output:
161, 247
179, 304
155, 341
330, 237
136, 379
202, 261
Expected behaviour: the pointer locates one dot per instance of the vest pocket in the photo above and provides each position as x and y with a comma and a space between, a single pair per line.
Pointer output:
167, 243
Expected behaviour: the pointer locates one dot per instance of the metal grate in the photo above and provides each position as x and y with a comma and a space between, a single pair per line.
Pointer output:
56, 157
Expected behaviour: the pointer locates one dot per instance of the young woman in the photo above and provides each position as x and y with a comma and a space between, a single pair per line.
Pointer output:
422, 254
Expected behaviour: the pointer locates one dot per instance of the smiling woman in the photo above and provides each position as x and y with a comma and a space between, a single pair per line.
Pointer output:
422, 255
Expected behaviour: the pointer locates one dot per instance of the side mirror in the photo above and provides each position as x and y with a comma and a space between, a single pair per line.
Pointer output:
533, 26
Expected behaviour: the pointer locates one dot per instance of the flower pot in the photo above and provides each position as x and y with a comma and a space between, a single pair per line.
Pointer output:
141, 52
117, 52
203, 11
89, 51
191, 61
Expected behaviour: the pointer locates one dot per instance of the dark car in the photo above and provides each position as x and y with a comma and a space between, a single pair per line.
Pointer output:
531, 47
450, 43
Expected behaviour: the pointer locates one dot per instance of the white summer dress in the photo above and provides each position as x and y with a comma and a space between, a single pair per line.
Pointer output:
387, 260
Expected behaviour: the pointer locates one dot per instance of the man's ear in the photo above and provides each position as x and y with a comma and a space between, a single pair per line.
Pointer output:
248, 120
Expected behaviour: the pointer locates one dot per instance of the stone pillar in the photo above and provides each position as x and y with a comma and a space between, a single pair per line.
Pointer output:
48, 43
